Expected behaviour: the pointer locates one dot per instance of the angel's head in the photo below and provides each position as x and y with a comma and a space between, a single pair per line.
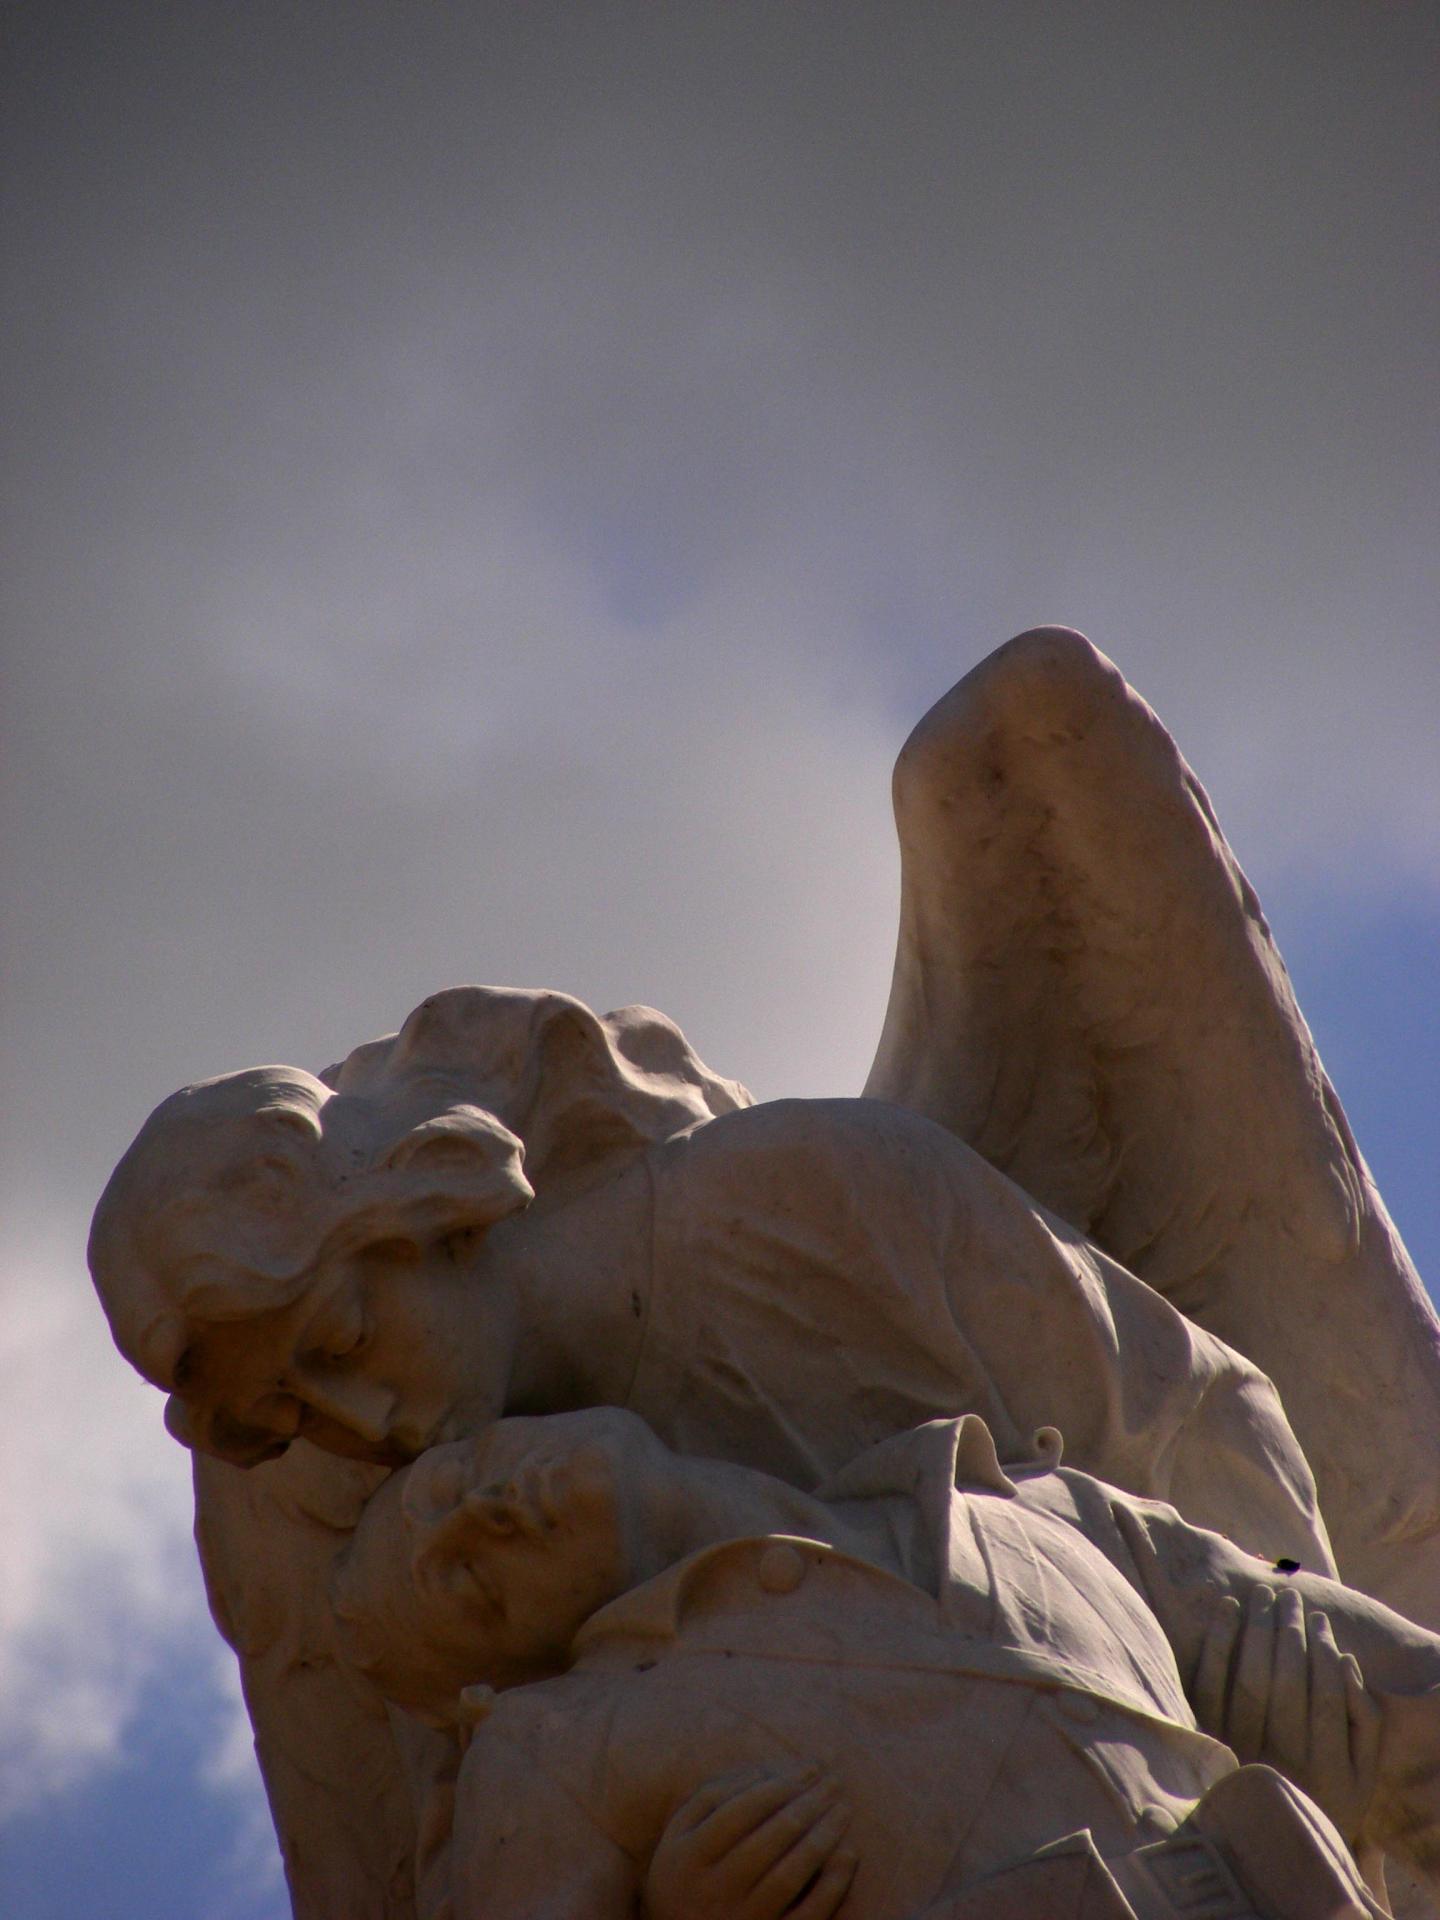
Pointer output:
482, 1561
287, 1254
275, 1256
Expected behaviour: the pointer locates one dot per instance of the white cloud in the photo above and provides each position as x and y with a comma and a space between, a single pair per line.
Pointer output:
101, 1592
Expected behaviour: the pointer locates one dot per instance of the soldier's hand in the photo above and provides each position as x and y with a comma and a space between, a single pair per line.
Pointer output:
753, 1846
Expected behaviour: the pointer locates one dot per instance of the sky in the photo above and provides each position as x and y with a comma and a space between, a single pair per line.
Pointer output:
488, 489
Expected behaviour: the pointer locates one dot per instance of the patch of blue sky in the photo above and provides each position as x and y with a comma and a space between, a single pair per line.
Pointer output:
640, 586
914, 637
1366, 977
150, 1837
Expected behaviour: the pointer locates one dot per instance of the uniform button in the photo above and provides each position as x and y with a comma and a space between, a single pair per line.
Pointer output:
781, 1569
1080, 1708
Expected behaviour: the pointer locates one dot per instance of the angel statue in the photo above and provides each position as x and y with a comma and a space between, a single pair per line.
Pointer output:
1097, 1182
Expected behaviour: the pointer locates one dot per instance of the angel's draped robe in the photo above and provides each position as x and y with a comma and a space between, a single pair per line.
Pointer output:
814, 1275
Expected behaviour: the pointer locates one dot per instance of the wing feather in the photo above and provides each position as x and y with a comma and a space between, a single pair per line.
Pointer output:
1087, 992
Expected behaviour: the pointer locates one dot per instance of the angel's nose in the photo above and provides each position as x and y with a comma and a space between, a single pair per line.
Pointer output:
362, 1407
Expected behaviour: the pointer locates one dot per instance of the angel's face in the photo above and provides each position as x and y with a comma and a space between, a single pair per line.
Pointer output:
390, 1348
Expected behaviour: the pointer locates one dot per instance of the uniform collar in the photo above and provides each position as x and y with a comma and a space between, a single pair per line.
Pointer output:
777, 1562
924, 1465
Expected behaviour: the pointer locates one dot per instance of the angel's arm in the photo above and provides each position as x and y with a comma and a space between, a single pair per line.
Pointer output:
1086, 992
1297, 1670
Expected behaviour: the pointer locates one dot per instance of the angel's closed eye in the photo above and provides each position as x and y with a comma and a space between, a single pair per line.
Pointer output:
339, 1330
340, 1345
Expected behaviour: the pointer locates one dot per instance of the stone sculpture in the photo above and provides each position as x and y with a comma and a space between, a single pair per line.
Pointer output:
1098, 1182
990, 1660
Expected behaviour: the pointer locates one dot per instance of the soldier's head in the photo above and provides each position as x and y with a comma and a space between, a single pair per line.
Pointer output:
482, 1561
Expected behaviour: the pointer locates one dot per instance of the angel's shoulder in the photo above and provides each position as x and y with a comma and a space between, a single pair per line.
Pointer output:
846, 1139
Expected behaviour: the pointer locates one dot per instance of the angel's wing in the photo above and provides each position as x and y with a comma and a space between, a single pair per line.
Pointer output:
1086, 991
336, 1780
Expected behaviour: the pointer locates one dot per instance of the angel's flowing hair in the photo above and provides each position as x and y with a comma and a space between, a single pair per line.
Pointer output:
487, 1099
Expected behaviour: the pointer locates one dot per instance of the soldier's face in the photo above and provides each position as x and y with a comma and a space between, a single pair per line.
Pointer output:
539, 1547
390, 1348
